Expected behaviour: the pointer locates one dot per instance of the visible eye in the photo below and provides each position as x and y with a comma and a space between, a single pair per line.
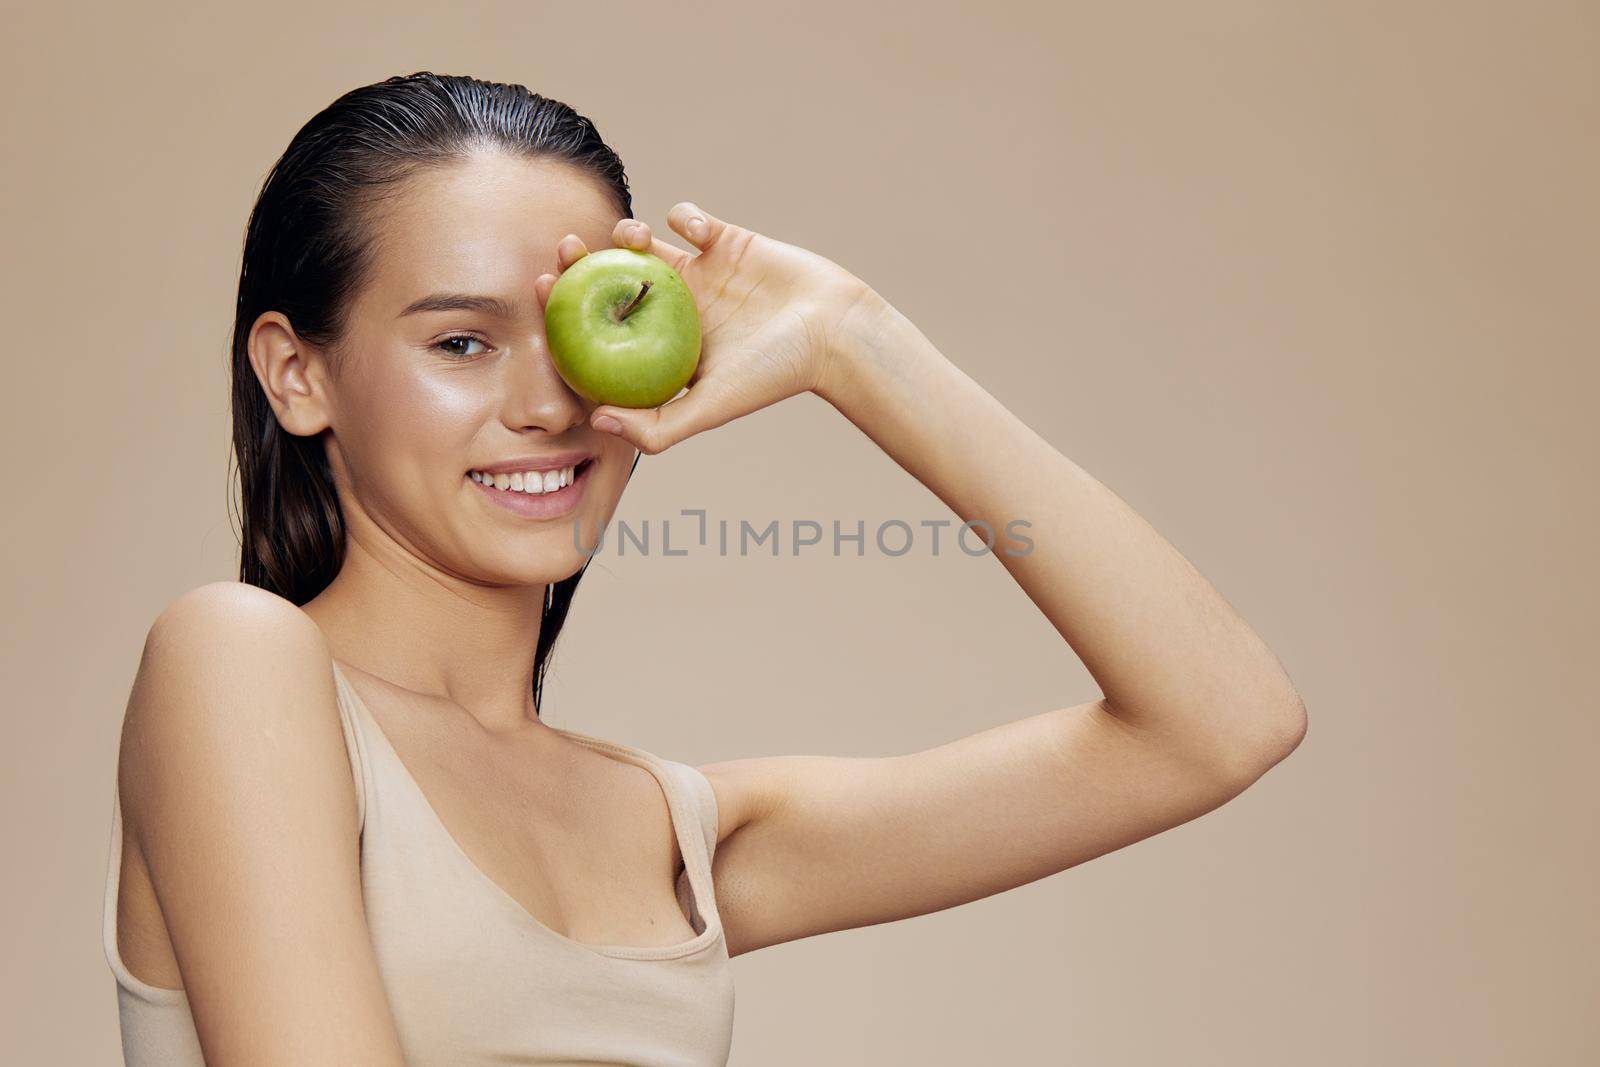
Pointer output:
455, 353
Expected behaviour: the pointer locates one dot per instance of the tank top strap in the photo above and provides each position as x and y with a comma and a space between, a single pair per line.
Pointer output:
355, 740
697, 787
694, 787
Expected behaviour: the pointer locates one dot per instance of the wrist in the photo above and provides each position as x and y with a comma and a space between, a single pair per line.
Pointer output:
857, 334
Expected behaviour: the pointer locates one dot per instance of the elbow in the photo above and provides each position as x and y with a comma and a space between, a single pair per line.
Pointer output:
1274, 731
1287, 729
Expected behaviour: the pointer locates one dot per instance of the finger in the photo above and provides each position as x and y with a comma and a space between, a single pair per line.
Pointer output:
542, 286
696, 225
569, 250
631, 233
653, 430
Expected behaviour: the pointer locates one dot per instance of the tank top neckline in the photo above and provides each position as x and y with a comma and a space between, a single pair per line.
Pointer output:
679, 812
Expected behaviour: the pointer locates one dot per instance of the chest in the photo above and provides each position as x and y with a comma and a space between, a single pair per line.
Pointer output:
583, 845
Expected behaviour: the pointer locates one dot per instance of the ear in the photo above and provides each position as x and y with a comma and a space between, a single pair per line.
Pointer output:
291, 373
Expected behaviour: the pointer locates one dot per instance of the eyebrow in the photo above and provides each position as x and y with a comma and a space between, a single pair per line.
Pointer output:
459, 302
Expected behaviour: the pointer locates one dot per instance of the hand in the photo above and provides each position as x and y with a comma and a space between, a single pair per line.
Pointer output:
773, 320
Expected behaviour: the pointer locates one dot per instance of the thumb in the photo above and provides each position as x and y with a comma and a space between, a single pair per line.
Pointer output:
652, 430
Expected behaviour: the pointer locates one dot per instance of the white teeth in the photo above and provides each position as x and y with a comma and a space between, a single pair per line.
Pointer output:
534, 482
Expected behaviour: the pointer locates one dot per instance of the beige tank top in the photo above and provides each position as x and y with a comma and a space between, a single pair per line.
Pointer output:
472, 977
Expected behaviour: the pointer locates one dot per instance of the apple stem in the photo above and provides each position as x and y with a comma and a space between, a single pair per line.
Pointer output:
625, 312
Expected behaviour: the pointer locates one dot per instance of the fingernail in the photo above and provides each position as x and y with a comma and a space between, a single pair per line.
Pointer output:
696, 227
608, 424
636, 232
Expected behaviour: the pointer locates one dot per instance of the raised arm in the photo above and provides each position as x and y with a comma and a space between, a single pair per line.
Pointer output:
1194, 706
1173, 659
237, 791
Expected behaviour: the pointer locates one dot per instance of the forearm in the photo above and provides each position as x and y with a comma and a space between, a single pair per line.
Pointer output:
1170, 655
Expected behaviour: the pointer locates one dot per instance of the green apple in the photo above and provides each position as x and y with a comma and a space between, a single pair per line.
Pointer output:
623, 328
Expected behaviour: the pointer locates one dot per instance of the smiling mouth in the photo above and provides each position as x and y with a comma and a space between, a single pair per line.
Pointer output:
532, 483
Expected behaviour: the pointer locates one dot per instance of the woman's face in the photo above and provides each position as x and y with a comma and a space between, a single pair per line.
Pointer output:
428, 393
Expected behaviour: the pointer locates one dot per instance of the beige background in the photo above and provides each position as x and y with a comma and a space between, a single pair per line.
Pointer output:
1305, 283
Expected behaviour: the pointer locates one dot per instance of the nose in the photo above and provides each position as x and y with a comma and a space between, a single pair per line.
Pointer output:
535, 395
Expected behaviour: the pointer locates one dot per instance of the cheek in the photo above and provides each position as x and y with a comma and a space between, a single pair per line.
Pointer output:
445, 407
428, 418
415, 428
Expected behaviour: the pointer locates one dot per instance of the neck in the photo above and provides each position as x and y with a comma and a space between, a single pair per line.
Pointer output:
393, 616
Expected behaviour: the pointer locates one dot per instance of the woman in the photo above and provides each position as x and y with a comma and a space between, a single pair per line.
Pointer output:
342, 832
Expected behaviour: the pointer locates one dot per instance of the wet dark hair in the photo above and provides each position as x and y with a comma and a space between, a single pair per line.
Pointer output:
309, 249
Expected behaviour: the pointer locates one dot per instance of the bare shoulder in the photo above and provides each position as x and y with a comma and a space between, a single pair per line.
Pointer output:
228, 668
215, 616
221, 663
236, 790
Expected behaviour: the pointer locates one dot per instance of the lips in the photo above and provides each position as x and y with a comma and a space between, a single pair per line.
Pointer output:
537, 505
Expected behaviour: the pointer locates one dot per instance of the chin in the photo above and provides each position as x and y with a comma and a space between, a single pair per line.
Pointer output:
543, 564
